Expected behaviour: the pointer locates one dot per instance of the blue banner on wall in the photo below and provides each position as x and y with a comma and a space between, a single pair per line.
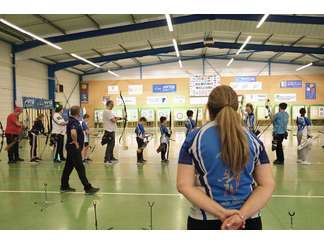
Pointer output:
291, 84
245, 79
164, 88
37, 103
310, 91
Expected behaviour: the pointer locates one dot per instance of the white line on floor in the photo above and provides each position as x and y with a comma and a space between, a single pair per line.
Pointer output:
146, 194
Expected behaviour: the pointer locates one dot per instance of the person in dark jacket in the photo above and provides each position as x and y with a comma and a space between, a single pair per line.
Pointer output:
37, 129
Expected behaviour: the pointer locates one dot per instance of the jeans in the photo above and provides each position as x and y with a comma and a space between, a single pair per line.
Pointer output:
13, 152
59, 147
279, 150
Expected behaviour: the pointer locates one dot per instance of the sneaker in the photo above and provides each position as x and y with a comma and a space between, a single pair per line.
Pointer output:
68, 189
20, 160
92, 190
11, 162
37, 158
277, 162
305, 163
144, 160
108, 163
34, 160
63, 159
114, 159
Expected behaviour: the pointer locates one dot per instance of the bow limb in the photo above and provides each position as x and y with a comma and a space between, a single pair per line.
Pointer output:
196, 122
2, 135
125, 117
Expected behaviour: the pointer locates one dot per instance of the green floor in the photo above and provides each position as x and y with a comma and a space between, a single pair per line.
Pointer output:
126, 189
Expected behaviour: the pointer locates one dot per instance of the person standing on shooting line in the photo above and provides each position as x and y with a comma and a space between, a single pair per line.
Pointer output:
190, 124
249, 118
280, 124
58, 132
303, 130
84, 125
218, 166
13, 130
164, 139
110, 127
140, 137
37, 129
74, 146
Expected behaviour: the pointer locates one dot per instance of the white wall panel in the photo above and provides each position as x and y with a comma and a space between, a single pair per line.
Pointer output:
31, 80
71, 88
6, 91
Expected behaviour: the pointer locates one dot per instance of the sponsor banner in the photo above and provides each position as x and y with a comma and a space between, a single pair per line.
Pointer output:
156, 100
255, 97
164, 88
84, 94
163, 112
37, 103
135, 89
291, 84
198, 100
201, 86
178, 99
245, 79
128, 100
113, 89
246, 85
310, 91
285, 97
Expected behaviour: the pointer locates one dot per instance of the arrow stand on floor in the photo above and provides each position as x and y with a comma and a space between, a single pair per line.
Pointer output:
150, 205
44, 204
96, 217
291, 214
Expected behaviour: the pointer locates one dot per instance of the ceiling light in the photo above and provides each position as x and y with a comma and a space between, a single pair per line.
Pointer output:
180, 63
243, 45
176, 47
85, 60
263, 19
169, 21
230, 62
303, 67
113, 73
30, 34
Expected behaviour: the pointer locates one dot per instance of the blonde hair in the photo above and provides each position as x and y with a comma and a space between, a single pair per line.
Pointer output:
222, 105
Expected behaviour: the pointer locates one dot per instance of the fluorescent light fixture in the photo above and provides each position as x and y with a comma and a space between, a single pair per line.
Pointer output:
85, 60
113, 73
263, 19
303, 67
30, 34
176, 47
169, 21
230, 62
244, 44
180, 63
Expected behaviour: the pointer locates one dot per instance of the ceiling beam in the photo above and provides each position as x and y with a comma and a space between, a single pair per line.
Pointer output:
94, 22
50, 23
13, 34
264, 42
133, 19
235, 41
151, 46
191, 46
175, 21
126, 51
303, 55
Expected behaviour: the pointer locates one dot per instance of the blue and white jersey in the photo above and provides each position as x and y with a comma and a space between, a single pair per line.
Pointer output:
202, 149
249, 121
165, 134
140, 131
190, 125
85, 127
302, 124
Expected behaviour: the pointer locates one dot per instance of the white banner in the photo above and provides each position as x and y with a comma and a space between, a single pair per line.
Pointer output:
135, 89
246, 85
198, 100
285, 97
255, 97
202, 85
157, 100
148, 114
113, 89
179, 99
128, 100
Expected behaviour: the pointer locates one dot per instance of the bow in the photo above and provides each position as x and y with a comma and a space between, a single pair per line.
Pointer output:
170, 125
124, 115
269, 115
242, 107
2, 135
48, 134
196, 121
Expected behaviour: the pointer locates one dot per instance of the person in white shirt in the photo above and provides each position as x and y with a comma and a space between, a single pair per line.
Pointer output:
110, 127
58, 132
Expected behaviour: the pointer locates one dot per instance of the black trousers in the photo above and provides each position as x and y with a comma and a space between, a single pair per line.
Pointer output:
109, 154
59, 147
279, 150
140, 144
164, 148
74, 160
194, 224
13, 152
33, 145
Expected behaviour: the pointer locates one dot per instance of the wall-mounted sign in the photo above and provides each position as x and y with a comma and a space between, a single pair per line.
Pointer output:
198, 100
245, 79
113, 89
317, 112
179, 114
255, 97
285, 97
164, 88
310, 91
148, 114
291, 84
135, 89
37, 103
84, 95
246, 85
163, 112
200, 86
128, 100
132, 115
179, 100
156, 100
